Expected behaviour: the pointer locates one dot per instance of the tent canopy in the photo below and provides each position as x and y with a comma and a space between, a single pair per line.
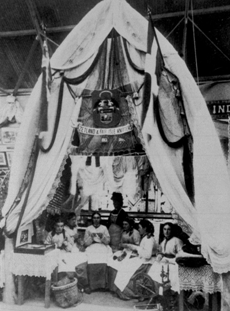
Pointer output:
107, 50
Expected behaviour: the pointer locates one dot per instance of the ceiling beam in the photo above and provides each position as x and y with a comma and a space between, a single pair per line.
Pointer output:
217, 9
29, 32
6, 92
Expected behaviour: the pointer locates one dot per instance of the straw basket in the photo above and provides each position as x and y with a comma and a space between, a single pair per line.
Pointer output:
66, 295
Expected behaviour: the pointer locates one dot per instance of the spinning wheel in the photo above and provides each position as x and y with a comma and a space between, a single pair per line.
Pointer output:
144, 286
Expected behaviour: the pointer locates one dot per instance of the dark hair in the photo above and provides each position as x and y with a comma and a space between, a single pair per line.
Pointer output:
148, 226
171, 225
117, 196
129, 221
71, 215
95, 213
58, 219
131, 224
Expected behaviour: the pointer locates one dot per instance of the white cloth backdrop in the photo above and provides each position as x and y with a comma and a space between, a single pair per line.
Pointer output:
210, 217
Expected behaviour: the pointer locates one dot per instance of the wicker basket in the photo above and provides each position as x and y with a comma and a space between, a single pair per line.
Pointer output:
66, 295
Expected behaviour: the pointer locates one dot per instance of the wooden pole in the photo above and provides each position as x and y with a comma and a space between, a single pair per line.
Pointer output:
185, 32
34, 17
9, 292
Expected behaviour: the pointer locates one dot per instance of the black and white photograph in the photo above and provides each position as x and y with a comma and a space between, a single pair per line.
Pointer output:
3, 159
9, 135
117, 113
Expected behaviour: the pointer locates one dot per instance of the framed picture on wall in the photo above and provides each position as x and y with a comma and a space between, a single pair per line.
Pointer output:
9, 135
9, 155
3, 159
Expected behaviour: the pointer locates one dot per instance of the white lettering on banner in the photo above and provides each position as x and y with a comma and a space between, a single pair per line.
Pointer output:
220, 109
100, 131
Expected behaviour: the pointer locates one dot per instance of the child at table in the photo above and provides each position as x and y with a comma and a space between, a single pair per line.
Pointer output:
72, 262
60, 237
71, 227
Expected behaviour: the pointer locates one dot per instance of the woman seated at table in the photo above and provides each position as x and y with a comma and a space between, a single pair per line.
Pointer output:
165, 259
72, 262
59, 236
71, 226
129, 234
137, 259
96, 241
170, 245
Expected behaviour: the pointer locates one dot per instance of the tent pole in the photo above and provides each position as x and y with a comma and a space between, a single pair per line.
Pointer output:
73, 202
229, 144
185, 32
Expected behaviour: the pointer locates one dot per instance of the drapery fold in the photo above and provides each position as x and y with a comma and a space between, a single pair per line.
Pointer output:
209, 217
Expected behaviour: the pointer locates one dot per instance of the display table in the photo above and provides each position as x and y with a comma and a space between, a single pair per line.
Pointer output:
196, 279
35, 265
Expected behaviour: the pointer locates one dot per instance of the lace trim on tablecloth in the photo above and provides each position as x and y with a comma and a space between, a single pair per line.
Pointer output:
202, 278
35, 265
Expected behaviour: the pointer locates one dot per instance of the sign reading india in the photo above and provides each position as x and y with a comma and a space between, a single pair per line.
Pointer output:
219, 108
104, 131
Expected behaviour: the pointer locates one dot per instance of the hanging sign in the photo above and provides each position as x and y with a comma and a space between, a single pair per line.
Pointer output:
102, 131
219, 109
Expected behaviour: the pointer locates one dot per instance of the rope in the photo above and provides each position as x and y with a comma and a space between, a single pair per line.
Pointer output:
194, 43
44, 35
209, 40
57, 119
176, 144
134, 66
27, 190
80, 79
155, 36
169, 34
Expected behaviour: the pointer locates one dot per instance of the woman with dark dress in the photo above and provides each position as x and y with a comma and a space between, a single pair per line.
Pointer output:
115, 222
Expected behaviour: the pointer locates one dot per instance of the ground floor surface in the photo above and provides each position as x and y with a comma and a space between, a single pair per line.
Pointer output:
96, 301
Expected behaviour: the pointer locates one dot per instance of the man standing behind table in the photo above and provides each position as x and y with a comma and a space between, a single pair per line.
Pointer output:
115, 221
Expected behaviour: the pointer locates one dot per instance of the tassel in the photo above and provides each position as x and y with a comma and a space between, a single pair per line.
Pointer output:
97, 161
88, 161
76, 139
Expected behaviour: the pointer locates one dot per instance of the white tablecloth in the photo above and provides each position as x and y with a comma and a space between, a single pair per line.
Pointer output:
35, 265
202, 278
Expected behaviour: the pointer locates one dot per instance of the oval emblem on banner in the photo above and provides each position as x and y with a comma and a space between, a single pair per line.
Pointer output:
106, 112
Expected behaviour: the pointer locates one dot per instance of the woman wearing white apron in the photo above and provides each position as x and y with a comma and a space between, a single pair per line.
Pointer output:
96, 241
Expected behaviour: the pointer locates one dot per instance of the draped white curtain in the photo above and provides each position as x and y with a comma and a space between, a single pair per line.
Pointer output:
210, 216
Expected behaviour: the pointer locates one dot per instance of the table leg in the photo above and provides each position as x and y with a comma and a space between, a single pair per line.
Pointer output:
20, 289
55, 275
47, 293
214, 302
181, 301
